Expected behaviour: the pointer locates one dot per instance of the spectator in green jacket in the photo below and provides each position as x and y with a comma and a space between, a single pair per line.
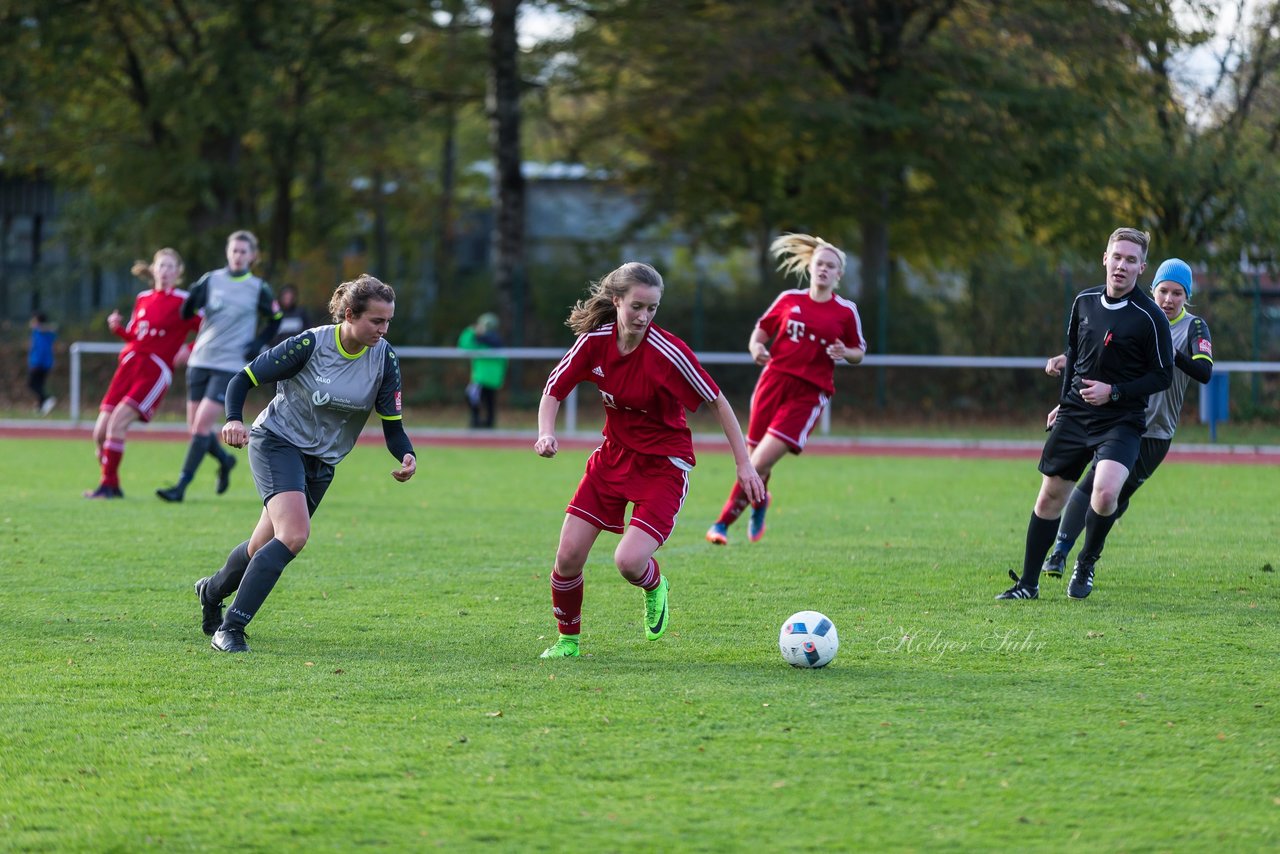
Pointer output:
487, 374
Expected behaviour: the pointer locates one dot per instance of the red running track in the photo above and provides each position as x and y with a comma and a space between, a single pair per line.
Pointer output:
872, 447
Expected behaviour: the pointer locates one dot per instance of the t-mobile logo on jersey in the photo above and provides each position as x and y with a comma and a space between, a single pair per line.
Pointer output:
795, 329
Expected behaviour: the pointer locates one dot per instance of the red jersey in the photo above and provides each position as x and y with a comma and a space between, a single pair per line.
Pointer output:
645, 392
156, 325
801, 329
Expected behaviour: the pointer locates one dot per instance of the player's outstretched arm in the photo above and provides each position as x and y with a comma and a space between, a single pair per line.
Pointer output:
400, 447
747, 474
548, 409
758, 347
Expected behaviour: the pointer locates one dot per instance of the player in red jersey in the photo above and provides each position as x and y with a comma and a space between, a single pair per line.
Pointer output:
156, 336
647, 378
798, 340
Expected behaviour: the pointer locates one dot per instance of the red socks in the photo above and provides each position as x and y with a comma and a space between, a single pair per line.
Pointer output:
112, 453
652, 577
734, 506
566, 603
765, 502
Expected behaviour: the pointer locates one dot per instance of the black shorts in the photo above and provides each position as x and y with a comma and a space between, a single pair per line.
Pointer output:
1071, 447
279, 467
1150, 455
208, 384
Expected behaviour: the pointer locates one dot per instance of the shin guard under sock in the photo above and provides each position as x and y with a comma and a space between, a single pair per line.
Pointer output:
195, 453
1072, 521
1040, 537
734, 506
1096, 529
260, 576
216, 450
226, 581
112, 454
566, 603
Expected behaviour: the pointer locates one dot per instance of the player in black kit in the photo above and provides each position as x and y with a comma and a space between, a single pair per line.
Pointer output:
1119, 351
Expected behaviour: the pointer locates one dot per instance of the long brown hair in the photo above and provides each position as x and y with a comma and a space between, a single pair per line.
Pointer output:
597, 308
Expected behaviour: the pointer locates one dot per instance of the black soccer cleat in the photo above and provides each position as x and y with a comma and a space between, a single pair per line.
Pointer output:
1053, 564
1018, 591
172, 494
105, 492
1081, 584
224, 473
230, 640
210, 612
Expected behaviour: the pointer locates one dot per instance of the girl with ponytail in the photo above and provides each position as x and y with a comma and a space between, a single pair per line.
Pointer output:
798, 341
155, 340
647, 378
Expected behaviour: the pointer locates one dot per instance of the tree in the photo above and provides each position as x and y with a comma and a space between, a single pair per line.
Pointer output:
854, 119
505, 87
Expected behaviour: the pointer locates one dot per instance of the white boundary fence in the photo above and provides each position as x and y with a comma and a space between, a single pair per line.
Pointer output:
570, 407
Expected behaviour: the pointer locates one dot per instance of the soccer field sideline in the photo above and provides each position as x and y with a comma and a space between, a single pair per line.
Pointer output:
879, 446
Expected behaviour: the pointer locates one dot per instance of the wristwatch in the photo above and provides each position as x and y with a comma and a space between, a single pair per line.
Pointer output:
1115, 394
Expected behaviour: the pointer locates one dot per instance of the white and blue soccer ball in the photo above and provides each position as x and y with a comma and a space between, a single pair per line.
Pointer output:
808, 639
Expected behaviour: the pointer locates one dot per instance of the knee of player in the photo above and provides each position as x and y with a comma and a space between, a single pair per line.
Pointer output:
1049, 506
294, 541
569, 562
1105, 498
630, 566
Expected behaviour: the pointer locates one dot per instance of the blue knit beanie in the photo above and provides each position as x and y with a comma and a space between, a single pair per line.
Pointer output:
1174, 270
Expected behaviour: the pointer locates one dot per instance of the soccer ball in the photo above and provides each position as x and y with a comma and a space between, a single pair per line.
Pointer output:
808, 639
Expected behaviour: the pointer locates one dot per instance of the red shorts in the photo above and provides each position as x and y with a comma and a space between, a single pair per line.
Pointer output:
656, 485
786, 407
140, 381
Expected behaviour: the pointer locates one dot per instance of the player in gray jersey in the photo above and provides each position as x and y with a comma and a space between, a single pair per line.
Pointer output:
230, 301
327, 379
1193, 358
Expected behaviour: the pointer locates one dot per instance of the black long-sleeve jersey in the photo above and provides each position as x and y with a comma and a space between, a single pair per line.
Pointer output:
1124, 342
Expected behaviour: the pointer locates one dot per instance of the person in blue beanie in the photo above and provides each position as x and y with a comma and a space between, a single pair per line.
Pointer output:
40, 361
1193, 358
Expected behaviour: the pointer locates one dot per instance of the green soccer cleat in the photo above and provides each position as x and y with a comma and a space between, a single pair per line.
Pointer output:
655, 610
564, 647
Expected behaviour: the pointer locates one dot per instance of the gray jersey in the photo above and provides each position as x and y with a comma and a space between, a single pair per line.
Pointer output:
231, 306
324, 394
1165, 408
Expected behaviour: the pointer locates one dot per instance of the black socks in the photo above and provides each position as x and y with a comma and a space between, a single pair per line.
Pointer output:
1096, 529
195, 453
260, 576
227, 580
1040, 536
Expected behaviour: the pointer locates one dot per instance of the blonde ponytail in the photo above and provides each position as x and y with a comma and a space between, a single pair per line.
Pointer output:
795, 251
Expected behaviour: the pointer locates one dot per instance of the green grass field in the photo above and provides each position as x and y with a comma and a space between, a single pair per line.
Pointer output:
394, 697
